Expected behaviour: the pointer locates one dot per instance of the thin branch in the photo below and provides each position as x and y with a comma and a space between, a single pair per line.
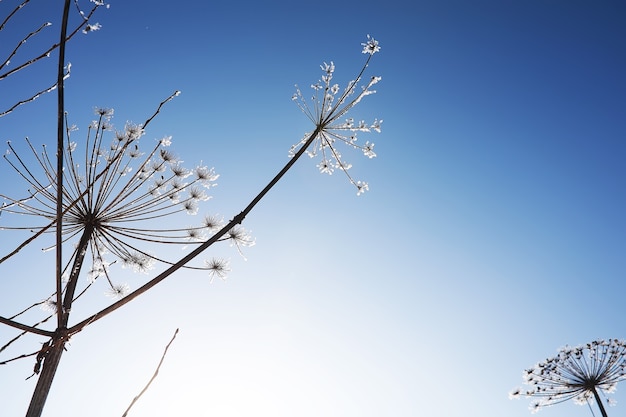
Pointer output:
16, 338
156, 372
176, 93
25, 355
32, 98
26, 328
46, 53
17, 8
22, 42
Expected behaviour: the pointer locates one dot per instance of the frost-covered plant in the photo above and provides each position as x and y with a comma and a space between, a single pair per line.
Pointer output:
116, 199
107, 199
581, 373
116, 202
329, 105
17, 57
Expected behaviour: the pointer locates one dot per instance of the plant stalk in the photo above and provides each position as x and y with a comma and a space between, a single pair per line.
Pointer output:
59, 184
44, 383
600, 405
52, 357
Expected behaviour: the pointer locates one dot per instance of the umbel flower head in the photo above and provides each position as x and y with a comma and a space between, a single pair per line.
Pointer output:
580, 373
328, 108
117, 199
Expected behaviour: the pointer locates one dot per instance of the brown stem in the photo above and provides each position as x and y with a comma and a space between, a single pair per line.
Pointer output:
70, 289
50, 365
60, 132
52, 357
597, 396
24, 327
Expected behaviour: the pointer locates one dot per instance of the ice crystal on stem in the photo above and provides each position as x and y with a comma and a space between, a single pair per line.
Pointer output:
580, 373
371, 46
327, 109
92, 28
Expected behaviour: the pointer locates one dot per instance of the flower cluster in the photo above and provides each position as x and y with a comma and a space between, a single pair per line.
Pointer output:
116, 199
218, 267
581, 373
327, 110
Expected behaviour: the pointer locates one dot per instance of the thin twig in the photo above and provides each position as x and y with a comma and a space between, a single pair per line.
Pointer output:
17, 8
22, 42
24, 327
16, 338
156, 372
46, 53
22, 356
31, 98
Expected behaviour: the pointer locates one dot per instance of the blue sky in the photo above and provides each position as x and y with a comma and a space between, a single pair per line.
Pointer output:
493, 232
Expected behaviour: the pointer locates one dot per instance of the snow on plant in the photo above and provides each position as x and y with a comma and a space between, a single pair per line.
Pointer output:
109, 197
580, 373
327, 108
16, 57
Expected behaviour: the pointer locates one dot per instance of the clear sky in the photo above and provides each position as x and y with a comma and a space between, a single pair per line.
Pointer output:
493, 232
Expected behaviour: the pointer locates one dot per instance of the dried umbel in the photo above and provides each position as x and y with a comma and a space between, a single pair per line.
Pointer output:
117, 199
584, 373
330, 104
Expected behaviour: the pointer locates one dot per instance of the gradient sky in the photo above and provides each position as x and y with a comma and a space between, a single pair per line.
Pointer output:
493, 232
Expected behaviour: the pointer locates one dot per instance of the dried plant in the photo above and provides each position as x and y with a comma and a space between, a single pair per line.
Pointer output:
328, 107
583, 373
105, 197
18, 58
